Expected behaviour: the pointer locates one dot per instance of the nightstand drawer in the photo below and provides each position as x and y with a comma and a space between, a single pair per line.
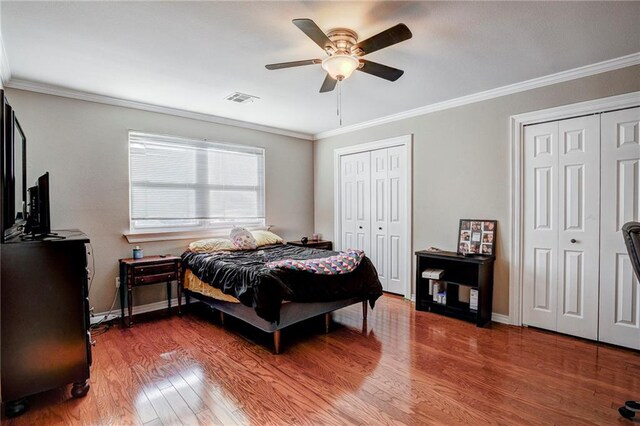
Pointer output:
325, 245
156, 278
321, 244
154, 269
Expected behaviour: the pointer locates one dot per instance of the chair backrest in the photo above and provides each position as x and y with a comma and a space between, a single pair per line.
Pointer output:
631, 234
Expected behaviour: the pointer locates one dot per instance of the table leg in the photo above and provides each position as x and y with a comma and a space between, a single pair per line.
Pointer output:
179, 289
169, 296
123, 283
130, 298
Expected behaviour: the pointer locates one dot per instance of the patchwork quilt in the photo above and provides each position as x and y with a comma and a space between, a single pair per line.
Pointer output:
342, 263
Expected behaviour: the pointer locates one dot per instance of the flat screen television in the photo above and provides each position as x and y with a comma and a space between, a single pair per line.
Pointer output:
13, 175
39, 217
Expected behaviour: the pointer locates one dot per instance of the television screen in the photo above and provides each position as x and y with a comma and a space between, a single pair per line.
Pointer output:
13, 175
20, 172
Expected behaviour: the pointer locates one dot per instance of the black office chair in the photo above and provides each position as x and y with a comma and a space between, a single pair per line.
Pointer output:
631, 234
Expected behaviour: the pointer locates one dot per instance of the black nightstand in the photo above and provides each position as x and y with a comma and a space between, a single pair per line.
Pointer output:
320, 244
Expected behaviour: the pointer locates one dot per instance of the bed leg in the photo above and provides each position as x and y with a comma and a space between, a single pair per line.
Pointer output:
222, 318
276, 341
327, 321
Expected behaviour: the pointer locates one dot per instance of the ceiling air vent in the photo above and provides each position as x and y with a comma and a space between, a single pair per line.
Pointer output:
241, 98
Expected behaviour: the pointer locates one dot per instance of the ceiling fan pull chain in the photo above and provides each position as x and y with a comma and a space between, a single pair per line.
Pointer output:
338, 100
339, 111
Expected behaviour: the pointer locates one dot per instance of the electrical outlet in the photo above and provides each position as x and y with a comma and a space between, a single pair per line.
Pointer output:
117, 282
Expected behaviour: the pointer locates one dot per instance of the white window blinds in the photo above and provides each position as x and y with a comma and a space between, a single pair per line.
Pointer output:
178, 184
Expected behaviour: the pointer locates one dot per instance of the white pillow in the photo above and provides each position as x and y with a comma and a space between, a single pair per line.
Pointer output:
211, 245
264, 238
242, 239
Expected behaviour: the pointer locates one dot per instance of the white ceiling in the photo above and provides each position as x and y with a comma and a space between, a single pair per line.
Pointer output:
190, 55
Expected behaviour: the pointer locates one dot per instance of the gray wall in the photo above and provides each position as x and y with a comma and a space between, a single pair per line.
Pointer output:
461, 163
84, 145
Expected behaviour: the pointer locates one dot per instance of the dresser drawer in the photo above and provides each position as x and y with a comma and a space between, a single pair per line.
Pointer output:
155, 278
154, 269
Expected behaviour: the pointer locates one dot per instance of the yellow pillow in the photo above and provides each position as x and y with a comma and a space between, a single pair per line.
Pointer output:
264, 238
212, 244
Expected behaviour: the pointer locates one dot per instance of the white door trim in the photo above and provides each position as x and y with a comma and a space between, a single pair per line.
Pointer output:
407, 142
516, 132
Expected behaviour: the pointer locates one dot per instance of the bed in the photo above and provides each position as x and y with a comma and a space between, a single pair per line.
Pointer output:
241, 284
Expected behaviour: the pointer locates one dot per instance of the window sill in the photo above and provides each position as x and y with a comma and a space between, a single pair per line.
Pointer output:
198, 234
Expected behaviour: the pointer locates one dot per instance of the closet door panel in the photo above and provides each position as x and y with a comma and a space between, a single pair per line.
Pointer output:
379, 203
354, 181
578, 236
396, 211
363, 202
347, 202
619, 293
540, 255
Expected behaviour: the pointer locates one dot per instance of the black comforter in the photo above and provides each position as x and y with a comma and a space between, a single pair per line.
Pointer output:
243, 275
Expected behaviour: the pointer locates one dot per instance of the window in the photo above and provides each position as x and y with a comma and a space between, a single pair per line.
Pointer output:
179, 184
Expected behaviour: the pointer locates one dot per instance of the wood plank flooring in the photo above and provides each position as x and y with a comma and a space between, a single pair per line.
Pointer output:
404, 367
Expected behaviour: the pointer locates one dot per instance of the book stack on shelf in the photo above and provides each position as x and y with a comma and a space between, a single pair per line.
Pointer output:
437, 288
473, 299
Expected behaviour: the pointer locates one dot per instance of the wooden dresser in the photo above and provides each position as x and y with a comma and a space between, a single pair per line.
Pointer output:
44, 324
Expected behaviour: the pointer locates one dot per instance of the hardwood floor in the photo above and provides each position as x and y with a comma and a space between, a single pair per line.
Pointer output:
405, 367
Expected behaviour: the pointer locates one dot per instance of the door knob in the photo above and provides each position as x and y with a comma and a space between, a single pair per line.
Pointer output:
573, 241
360, 227
380, 228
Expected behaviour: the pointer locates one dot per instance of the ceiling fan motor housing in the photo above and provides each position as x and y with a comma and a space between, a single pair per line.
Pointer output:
343, 38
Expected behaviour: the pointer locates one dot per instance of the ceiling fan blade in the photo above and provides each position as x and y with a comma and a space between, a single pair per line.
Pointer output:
386, 38
328, 84
379, 70
314, 32
293, 64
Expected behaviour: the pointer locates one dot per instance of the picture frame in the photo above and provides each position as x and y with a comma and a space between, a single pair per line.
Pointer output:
477, 237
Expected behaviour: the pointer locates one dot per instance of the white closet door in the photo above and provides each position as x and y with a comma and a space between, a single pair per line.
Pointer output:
396, 213
540, 267
579, 226
356, 201
379, 214
388, 204
619, 291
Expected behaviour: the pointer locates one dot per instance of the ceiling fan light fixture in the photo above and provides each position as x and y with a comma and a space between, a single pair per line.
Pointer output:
340, 66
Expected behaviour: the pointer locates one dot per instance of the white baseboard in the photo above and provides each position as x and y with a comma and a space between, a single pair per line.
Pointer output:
105, 316
502, 319
495, 317
157, 306
140, 309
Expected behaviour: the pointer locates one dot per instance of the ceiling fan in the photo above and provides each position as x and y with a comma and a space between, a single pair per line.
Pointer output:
345, 52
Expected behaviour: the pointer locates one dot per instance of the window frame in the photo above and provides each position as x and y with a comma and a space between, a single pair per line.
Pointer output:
203, 226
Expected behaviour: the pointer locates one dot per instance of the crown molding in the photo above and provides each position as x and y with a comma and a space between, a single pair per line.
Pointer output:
585, 71
49, 89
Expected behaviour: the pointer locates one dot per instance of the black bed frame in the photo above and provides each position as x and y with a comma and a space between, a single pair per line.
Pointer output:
290, 312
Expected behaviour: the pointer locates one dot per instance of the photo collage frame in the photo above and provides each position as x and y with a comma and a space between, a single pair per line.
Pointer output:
477, 236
